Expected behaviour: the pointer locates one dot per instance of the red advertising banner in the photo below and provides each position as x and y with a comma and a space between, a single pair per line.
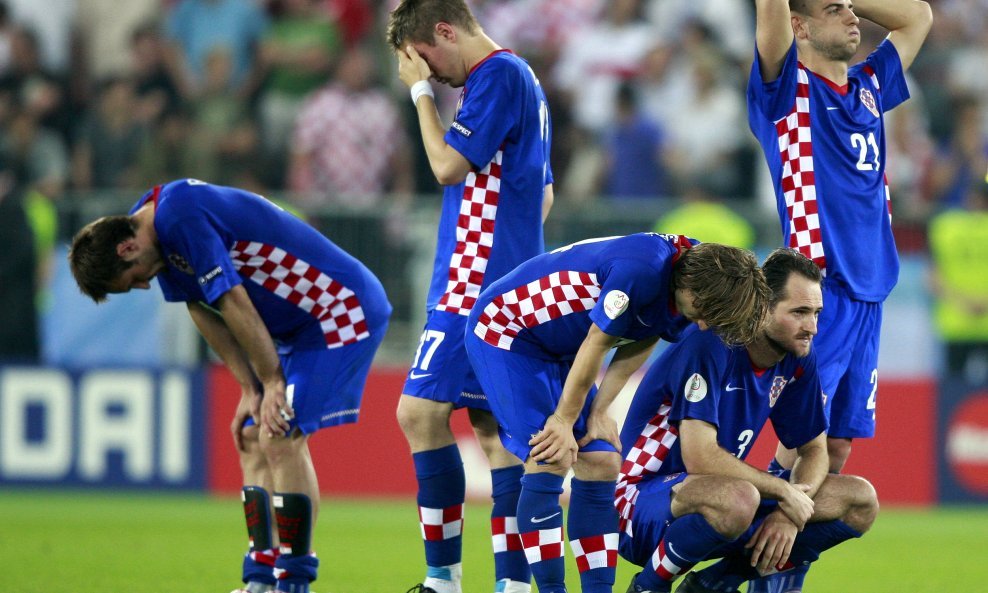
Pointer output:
371, 457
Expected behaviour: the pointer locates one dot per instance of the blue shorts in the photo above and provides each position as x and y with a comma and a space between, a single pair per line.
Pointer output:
523, 392
847, 357
441, 371
325, 387
653, 513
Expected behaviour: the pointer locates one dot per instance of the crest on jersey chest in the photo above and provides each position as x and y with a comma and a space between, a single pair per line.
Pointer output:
868, 100
778, 384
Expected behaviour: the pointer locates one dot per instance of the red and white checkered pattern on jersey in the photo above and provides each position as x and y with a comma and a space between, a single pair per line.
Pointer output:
645, 457
798, 180
474, 238
595, 551
537, 302
664, 566
335, 306
504, 534
440, 524
544, 544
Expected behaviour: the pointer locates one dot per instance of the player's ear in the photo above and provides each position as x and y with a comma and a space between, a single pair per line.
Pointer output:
127, 247
445, 31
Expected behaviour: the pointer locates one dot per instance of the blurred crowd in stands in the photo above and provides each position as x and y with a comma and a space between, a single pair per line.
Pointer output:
301, 98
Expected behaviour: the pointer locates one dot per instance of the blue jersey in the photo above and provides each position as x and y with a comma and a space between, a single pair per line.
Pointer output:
544, 308
825, 148
310, 293
492, 221
702, 379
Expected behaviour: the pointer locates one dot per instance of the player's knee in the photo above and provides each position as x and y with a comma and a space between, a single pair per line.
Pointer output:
597, 466
419, 418
864, 506
278, 451
741, 500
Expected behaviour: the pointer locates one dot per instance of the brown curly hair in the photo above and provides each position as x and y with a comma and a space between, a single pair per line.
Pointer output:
730, 292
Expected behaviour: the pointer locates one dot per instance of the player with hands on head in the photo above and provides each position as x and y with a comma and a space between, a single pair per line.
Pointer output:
538, 338
493, 162
821, 123
295, 319
685, 493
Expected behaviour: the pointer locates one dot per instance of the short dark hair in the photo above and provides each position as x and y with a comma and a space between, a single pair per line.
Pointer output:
781, 264
729, 289
415, 20
800, 6
93, 257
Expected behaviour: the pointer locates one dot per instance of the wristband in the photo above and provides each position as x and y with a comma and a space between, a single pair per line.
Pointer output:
420, 88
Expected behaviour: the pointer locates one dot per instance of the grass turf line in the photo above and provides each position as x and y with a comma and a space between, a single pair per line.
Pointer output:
109, 542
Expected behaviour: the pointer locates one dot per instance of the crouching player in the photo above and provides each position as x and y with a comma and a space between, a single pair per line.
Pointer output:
537, 339
685, 494
295, 318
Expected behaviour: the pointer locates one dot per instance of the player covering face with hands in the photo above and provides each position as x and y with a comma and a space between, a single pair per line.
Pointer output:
493, 162
295, 319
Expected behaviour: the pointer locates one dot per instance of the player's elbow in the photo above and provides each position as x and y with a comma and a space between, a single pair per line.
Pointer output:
924, 16
445, 176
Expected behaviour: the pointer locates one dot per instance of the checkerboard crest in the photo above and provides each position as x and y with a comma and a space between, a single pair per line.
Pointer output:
798, 181
537, 302
645, 457
474, 238
335, 306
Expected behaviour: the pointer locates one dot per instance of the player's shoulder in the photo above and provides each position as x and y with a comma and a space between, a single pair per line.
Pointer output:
503, 63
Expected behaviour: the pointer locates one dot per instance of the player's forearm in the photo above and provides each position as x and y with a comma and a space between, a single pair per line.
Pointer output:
702, 454
773, 35
442, 157
250, 333
894, 15
218, 336
547, 199
583, 373
812, 465
627, 359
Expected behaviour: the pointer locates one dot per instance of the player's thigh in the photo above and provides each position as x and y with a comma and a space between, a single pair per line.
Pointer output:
522, 392
325, 387
854, 403
440, 369
650, 518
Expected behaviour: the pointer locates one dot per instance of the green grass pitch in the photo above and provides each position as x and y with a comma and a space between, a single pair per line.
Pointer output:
102, 542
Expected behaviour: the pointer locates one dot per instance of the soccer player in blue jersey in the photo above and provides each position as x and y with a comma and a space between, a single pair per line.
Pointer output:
494, 164
685, 493
820, 122
295, 318
538, 338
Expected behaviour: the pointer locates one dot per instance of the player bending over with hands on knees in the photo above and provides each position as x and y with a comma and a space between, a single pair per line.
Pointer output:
685, 493
538, 338
493, 162
295, 319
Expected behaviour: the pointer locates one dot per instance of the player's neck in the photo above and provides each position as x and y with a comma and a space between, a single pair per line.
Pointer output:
144, 217
763, 353
476, 48
833, 70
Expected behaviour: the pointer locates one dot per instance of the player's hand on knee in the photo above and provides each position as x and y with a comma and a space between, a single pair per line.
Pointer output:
275, 415
601, 427
555, 443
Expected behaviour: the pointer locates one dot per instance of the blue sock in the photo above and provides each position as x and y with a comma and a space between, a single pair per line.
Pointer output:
540, 522
774, 466
817, 537
442, 491
592, 525
509, 555
780, 582
688, 540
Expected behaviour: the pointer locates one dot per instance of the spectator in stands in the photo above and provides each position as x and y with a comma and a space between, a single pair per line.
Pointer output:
297, 54
19, 339
958, 244
37, 89
109, 139
963, 159
633, 166
197, 27
702, 216
172, 150
155, 83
